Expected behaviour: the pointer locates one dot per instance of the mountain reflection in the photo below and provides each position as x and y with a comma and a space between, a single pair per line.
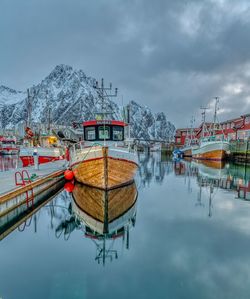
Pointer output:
153, 167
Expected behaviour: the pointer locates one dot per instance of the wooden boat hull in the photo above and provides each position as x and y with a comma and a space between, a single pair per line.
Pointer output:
104, 211
104, 168
216, 151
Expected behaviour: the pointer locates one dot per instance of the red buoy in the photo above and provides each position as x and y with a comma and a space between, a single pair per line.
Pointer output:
69, 187
68, 174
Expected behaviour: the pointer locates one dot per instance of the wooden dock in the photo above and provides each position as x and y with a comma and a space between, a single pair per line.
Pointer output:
12, 196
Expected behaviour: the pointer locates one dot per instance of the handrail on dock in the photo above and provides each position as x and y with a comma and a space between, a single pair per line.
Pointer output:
23, 182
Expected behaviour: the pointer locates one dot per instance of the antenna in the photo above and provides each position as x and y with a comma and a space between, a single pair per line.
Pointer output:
203, 119
29, 108
102, 91
48, 111
216, 108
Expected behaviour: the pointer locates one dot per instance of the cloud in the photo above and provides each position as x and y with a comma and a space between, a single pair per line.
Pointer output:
172, 55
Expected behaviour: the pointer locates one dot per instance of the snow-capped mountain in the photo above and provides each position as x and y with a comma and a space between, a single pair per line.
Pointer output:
10, 96
69, 95
148, 126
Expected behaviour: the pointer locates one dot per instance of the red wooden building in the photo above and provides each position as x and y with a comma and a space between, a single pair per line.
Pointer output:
236, 128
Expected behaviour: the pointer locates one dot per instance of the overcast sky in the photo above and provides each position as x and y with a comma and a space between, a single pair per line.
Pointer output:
171, 55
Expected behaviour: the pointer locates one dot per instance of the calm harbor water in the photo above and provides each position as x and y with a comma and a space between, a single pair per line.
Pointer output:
187, 236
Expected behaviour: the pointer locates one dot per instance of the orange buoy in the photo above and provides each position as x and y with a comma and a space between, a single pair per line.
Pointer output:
68, 174
69, 187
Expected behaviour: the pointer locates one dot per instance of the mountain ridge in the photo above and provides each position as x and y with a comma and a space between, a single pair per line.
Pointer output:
70, 96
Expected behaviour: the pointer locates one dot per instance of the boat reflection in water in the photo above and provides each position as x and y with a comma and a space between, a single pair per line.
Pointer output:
212, 174
103, 216
107, 215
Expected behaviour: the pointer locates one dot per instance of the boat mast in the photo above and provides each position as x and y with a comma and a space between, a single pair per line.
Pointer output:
29, 108
48, 112
191, 130
103, 94
203, 116
215, 114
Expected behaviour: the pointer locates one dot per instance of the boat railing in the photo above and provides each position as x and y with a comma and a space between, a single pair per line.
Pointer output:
77, 149
83, 145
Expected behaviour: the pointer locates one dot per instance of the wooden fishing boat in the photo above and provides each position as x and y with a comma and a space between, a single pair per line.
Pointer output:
102, 160
104, 212
210, 149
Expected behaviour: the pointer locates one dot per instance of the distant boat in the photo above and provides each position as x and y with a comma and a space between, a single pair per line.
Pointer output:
48, 151
211, 146
45, 155
211, 149
190, 142
8, 145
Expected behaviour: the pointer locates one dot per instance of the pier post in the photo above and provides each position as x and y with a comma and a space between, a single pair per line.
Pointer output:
36, 162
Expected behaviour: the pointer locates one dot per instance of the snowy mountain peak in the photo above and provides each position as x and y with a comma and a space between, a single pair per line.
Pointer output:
70, 96
9, 96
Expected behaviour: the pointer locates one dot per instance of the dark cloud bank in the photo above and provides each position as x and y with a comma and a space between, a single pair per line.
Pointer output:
173, 56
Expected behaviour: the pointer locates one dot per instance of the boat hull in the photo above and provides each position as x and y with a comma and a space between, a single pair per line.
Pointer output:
104, 168
29, 160
45, 155
216, 151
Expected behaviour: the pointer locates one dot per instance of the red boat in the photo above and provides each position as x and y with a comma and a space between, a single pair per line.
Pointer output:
48, 152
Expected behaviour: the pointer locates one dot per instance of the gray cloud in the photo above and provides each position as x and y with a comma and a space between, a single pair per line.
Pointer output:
170, 55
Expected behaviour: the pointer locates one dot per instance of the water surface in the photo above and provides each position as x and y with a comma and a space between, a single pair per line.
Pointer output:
187, 236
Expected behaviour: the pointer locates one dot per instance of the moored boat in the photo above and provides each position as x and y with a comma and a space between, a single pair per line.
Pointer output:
102, 160
45, 155
211, 149
48, 150
8, 146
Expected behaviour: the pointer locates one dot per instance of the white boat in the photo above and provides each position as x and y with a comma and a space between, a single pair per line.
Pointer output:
102, 160
210, 149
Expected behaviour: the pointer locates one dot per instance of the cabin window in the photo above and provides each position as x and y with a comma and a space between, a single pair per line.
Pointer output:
117, 133
104, 132
90, 133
